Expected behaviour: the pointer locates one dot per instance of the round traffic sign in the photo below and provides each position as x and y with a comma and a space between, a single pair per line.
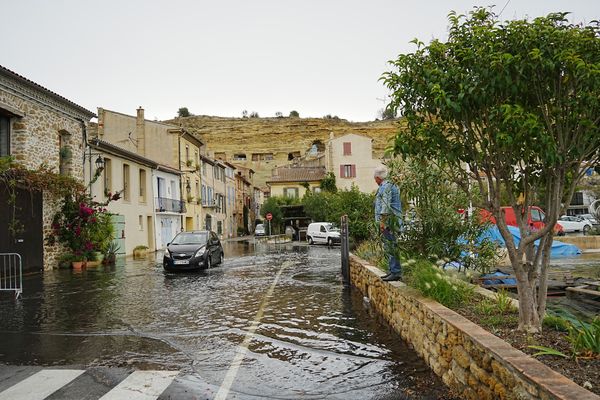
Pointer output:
269, 216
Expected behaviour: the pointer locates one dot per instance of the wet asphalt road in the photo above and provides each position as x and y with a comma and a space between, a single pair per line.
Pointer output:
271, 322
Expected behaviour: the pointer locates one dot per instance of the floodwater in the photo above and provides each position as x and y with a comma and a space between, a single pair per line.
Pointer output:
274, 321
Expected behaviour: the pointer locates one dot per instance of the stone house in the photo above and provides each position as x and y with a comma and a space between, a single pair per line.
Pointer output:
213, 195
230, 221
38, 127
350, 158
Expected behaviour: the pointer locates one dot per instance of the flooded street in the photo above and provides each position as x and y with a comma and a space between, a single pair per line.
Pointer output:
271, 322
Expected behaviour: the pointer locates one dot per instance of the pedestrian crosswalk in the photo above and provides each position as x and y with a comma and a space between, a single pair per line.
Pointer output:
62, 384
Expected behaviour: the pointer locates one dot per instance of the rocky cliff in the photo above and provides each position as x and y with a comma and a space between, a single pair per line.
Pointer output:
269, 142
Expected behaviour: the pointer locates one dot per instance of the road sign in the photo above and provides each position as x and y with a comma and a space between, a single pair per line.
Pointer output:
269, 216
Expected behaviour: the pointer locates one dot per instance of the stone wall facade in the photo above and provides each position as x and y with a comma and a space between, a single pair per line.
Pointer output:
470, 360
42, 122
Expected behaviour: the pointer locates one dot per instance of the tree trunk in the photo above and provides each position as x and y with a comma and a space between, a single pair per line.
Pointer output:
529, 319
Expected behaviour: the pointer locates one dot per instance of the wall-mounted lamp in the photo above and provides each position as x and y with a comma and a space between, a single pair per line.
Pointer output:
99, 163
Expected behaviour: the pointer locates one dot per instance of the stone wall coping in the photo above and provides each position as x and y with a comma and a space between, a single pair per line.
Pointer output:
546, 378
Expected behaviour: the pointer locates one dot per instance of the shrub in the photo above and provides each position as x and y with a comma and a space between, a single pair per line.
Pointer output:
585, 338
435, 283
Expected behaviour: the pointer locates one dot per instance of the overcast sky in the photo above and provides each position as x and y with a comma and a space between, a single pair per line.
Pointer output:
219, 58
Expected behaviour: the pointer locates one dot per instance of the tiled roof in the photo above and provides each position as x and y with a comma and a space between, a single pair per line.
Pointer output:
297, 174
39, 87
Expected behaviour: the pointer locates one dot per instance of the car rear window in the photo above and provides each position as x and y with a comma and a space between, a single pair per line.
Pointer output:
191, 238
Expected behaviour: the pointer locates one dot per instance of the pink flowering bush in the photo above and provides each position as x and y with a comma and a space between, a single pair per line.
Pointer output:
83, 225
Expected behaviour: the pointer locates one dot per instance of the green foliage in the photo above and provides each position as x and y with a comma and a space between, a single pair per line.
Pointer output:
436, 283
557, 323
585, 338
371, 250
433, 227
183, 112
294, 114
547, 351
84, 226
516, 102
328, 206
504, 302
273, 206
328, 183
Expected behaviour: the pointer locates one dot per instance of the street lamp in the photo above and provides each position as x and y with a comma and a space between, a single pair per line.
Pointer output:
188, 188
99, 163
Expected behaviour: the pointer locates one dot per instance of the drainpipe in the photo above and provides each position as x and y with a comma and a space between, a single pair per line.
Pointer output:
88, 148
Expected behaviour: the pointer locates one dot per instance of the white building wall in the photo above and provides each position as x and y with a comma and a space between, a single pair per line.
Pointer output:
167, 223
135, 210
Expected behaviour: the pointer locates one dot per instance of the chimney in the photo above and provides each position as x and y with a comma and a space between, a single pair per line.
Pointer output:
100, 123
140, 132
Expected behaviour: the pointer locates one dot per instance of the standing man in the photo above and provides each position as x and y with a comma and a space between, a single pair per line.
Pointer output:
388, 210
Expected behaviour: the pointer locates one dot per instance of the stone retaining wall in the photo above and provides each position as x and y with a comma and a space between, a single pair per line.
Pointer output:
591, 242
470, 360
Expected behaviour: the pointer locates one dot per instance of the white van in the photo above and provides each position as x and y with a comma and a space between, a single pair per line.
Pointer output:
322, 232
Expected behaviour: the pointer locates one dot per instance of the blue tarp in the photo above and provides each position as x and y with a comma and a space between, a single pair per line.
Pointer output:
507, 281
559, 249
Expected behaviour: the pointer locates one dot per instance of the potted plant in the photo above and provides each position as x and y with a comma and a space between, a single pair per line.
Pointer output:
140, 251
190, 198
110, 256
83, 226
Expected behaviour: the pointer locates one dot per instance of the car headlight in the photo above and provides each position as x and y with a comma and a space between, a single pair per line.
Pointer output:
200, 252
167, 253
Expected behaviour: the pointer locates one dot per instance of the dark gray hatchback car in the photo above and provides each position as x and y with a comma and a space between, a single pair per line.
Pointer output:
193, 250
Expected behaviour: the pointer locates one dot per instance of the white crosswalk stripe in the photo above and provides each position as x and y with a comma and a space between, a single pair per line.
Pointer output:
40, 385
139, 385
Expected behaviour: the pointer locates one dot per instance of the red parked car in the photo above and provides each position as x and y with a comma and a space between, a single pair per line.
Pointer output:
535, 219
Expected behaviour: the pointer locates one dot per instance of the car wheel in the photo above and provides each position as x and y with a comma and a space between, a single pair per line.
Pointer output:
586, 229
310, 240
221, 256
208, 263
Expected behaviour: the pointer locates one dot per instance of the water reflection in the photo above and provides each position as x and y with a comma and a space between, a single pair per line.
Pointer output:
314, 338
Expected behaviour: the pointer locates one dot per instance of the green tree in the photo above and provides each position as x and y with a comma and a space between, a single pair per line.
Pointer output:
183, 112
272, 205
294, 114
328, 183
513, 107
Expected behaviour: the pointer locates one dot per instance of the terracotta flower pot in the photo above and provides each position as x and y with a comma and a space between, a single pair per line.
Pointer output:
78, 265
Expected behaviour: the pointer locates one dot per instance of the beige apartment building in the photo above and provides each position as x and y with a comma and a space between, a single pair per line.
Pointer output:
177, 151
350, 158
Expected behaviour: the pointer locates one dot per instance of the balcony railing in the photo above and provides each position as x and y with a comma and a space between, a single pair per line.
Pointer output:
164, 204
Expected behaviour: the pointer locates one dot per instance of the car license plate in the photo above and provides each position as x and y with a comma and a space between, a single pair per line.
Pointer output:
181, 262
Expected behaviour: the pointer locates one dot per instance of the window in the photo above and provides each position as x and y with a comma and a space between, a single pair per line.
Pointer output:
204, 168
262, 156
107, 175
187, 154
141, 222
4, 136
239, 157
142, 185
126, 182
219, 227
290, 192
348, 171
347, 148
203, 195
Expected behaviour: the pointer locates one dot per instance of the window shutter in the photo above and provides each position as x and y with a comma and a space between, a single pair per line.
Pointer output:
353, 170
347, 148
342, 171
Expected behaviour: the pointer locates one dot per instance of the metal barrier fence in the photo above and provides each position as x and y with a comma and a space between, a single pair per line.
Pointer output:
11, 273
345, 250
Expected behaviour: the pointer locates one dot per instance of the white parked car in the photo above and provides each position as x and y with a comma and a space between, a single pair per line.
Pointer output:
259, 230
322, 232
574, 224
590, 218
